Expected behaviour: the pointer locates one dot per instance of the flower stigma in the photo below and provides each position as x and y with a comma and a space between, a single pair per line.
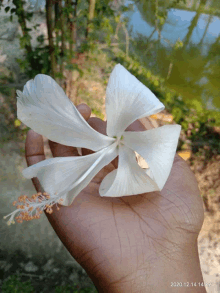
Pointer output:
119, 140
37, 203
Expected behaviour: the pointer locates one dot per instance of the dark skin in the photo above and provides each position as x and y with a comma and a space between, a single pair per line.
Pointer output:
123, 243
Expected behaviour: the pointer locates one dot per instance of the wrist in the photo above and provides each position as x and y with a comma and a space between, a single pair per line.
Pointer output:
177, 272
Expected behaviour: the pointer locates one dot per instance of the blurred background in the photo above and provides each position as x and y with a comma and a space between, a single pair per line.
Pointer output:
171, 46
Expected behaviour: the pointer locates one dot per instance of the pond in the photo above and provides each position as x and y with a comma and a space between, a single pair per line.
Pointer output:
182, 46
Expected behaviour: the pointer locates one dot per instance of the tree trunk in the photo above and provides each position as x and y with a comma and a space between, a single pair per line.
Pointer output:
50, 28
62, 28
72, 26
22, 21
193, 24
203, 2
74, 29
90, 16
205, 31
57, 16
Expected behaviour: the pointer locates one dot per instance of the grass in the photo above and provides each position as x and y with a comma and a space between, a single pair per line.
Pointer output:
42, 274
14, 284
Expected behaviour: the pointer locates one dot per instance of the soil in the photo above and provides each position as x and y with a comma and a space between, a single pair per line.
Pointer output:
209, 238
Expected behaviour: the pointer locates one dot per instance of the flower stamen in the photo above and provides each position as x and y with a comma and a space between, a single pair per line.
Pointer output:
37, 202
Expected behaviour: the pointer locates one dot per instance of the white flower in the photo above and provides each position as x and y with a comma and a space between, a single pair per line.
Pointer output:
44, 107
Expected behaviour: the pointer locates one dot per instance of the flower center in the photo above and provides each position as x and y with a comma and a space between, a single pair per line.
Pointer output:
119, 140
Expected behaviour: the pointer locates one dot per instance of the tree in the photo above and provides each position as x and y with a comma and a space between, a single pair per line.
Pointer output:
50, 28
90, 16
22, 16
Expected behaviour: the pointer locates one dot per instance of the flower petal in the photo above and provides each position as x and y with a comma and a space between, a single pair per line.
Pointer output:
128, 179
127, 100
58, 176
44, 107
158, 147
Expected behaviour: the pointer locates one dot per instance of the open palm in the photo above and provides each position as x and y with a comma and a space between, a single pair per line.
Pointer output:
114, 237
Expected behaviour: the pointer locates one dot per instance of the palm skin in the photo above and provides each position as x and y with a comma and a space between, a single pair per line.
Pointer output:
119, 240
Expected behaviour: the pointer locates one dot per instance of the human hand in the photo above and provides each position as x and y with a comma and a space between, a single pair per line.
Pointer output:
133, 243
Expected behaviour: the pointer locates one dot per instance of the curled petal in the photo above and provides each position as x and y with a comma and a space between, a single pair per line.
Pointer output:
127, 100
158, 147
58, 176
45, 108
128, 179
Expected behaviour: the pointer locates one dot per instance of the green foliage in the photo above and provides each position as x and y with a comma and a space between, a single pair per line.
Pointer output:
107, 29
161, 9
25, 40
29, 15
117, 19
89, 45
177, 114
175, 2
7, 9
14, 285
73, 289
97, 113
102, 9
35, 62
178, 45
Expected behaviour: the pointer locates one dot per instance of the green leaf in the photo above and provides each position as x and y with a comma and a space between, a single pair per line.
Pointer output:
177, 114
7, 9
58, 75
40, 38
168, 97
184, 125
35, 26
156, 82
148, 74
13, 10
117, 19
14, 284
197, 105
29, 16
17, 123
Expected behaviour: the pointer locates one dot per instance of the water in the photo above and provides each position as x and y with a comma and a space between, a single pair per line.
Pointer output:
195, 67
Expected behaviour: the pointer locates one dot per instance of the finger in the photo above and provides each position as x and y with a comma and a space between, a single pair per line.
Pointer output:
100, 126
59, 150
34, 153
147, 123
136, 126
